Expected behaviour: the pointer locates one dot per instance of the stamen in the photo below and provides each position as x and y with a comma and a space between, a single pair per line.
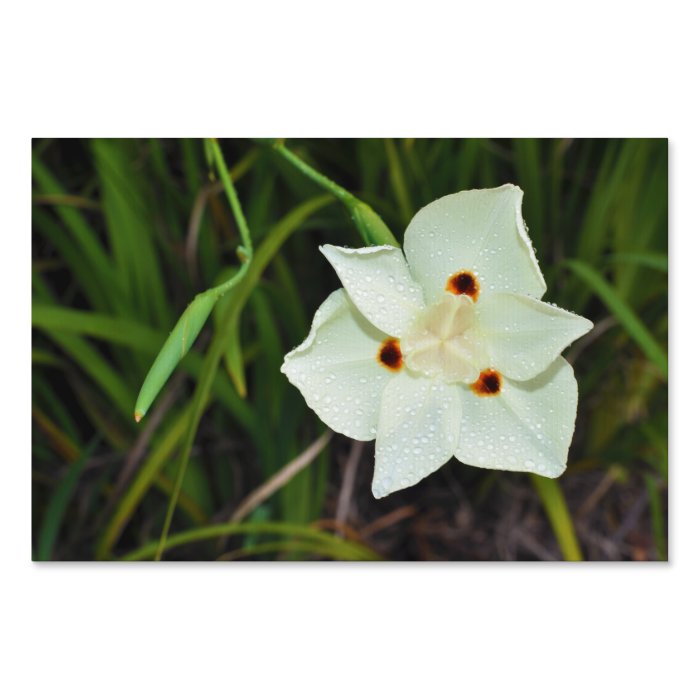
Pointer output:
488, 384
390, 355
463, 282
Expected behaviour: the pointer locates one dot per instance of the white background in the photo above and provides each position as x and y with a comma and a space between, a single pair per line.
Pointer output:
348, 69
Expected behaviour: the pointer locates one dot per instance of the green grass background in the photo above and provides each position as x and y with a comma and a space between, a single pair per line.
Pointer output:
126, 232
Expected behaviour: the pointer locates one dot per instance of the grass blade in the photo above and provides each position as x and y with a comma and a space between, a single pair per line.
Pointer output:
294, 547
139, 337
60, 498
398, 182
619, 308
130, 227
90, 361
658, 521
654, 261
85, 238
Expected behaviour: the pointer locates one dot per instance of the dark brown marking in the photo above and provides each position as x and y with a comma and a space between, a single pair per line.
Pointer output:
488, 384
390, 355
463, 282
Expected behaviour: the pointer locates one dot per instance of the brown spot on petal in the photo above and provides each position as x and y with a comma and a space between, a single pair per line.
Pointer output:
463, 282
390, 355
488, 384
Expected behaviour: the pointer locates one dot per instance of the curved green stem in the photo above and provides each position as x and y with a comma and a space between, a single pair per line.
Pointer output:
194, 317
370, 225
349, 550
225, 178
325, 182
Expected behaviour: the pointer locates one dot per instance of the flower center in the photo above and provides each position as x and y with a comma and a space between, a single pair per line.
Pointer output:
439, 343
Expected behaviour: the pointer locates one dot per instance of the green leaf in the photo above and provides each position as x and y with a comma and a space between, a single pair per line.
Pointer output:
398, 182
619, 308
655, 261
95, 366
123, 193
529, 167
139, 337
58, 504
85, 238
658, 523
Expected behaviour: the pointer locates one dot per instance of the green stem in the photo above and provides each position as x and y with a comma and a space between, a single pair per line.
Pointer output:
211, 362
554, 503
225, 177
229, 284
321, 180
199, 402
369, 224
196, 314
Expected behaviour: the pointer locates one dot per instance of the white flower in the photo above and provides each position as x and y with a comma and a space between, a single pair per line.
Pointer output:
447, 351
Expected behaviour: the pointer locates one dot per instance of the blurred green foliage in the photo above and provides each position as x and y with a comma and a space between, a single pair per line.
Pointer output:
127, 232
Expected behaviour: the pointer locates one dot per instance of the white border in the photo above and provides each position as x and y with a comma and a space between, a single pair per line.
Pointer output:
319, 69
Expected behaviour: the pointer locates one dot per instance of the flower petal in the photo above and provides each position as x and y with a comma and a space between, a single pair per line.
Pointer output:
336, 368
526, 427
418, 431
522, 336
379, 283
480, 232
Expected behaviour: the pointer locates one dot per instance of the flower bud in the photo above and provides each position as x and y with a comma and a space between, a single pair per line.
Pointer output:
174, 349
370, 225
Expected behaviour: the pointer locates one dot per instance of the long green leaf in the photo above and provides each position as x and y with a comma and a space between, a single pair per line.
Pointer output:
657, 517
398, 182
619, 308
94, 365
529, 168
56, 510
86, 240
139, 337
655, 261
131, 228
